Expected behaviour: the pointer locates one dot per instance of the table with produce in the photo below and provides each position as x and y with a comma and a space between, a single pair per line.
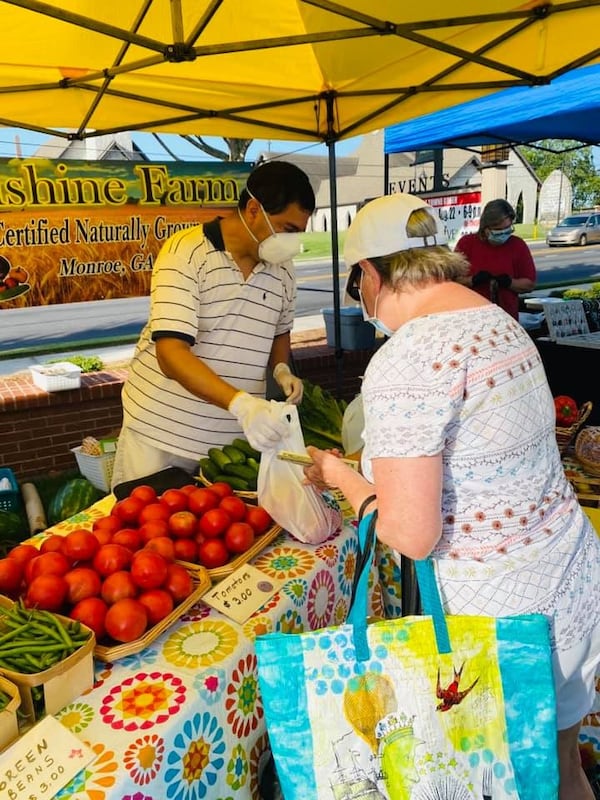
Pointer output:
105, 623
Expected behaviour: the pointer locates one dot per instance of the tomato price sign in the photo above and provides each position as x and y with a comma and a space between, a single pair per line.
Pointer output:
242, 593
42, 761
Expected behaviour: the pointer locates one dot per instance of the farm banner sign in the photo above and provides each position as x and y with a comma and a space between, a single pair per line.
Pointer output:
72, 231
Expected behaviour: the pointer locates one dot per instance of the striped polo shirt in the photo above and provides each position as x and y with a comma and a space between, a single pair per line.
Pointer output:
199, 294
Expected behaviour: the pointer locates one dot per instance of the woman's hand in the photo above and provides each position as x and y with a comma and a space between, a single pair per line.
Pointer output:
327, 468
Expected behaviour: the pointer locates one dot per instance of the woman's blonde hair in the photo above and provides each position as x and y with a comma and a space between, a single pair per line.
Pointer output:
421, 265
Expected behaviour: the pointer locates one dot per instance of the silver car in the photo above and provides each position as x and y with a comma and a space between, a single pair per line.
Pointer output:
581, 229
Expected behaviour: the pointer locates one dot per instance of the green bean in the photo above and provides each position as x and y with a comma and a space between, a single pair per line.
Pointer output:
13, 633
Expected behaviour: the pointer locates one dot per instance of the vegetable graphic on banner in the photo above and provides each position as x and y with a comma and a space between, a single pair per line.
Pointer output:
13, 280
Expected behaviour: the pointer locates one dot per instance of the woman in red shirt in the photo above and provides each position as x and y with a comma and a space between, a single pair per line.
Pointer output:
502, 266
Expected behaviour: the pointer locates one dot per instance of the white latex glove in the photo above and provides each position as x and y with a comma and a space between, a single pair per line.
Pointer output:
292, 386
261, 420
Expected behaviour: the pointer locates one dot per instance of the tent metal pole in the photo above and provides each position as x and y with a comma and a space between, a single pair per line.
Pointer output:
335, 265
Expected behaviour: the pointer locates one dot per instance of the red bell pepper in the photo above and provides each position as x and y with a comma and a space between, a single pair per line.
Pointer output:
566, 410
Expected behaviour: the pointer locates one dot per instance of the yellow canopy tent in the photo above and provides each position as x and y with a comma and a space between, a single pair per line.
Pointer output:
313, 70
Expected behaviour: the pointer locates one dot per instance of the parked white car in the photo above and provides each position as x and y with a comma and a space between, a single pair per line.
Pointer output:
580, 229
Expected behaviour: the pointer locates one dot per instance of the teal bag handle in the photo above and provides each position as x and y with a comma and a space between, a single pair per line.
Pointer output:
430, 596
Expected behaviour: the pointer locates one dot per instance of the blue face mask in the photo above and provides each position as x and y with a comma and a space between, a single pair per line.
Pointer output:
376, 323
499, 237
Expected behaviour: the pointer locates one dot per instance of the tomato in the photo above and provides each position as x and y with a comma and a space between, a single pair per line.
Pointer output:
91, 612
111, 558
149, 570
202, 500
185, 549
260, 519
80, 545
53, 544
179, 583
152, 528
213, 553
104, 535
47, 591
128, 510
183, 524
214, 523
131, 538
158, 604
163, 545
153, 512
110, 523
188, 488
221, 488
126, 620
82, 582
118, 585
174, 500
234, 506
23, 553
239, 536
145, 493
52, 563
11, 575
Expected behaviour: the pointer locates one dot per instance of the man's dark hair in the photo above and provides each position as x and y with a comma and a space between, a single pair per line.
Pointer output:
276, 184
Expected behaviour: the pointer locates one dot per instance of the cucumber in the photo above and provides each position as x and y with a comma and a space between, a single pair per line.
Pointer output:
218, 457
209, 469
236, 455
241, 471
236, 483
244, 472
252, 462
246, 447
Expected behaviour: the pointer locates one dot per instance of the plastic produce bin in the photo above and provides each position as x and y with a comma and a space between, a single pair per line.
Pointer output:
355, 333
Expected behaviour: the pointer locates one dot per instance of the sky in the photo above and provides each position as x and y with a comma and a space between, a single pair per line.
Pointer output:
30, 141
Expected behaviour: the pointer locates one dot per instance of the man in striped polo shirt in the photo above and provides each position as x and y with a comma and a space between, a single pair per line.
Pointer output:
221, 309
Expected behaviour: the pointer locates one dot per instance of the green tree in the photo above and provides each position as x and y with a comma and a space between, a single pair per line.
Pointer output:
575, 161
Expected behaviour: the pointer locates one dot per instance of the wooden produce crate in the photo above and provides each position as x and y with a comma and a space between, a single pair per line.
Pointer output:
112, 652
58, 685
9, 722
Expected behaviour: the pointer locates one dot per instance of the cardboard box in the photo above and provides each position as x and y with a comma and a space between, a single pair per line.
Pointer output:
355, 333
56, 686
9, 723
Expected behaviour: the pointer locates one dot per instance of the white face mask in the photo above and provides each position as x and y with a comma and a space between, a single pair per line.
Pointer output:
376, 323
278, 247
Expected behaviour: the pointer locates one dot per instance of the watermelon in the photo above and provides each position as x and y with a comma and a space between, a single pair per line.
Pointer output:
13, 529
76, 495
12, 526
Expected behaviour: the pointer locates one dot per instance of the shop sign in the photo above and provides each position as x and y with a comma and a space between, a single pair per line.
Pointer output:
242, 593
72, 231
458, 213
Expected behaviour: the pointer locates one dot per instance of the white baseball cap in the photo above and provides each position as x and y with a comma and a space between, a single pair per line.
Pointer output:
379, 228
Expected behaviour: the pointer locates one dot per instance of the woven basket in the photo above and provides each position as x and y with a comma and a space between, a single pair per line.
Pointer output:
587, 449
565, 435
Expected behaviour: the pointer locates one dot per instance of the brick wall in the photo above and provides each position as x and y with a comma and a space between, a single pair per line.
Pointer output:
37, 428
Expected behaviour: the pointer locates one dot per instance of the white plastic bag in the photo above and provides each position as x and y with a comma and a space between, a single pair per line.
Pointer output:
353, 425
298, 507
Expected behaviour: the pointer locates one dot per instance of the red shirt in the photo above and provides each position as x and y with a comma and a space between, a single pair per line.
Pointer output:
511, 258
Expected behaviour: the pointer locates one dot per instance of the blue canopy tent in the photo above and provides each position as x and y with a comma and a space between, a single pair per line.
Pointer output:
567, 108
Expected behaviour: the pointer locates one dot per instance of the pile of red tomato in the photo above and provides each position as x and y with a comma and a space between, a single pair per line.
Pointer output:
121, 578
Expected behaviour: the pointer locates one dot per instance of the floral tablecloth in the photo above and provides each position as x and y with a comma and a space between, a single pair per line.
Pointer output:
183, 720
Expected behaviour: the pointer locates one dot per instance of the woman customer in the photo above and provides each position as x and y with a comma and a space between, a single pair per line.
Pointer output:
501, 264
461, 455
